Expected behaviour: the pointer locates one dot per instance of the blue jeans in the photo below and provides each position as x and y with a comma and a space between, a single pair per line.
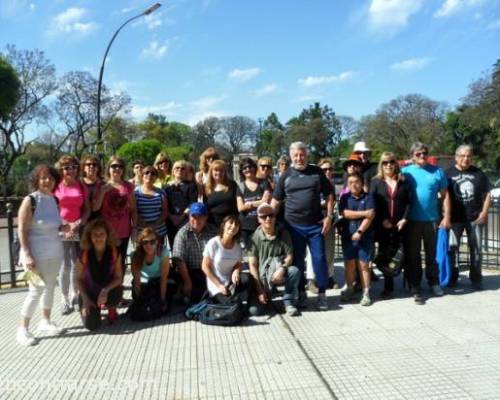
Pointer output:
292, 280
474, 233
309, 235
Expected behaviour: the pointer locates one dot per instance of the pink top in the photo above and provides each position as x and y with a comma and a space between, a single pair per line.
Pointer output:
116, 209
71, 199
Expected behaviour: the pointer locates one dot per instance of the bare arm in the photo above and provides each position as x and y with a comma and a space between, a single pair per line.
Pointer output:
24, 221
483, 215
350, 214
276, 205
206, 267
446, 221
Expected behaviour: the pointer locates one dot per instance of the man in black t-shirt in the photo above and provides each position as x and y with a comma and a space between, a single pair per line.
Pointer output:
301, 187
369, 168
469, 190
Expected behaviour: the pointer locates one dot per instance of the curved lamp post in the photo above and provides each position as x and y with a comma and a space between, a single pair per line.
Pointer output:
99, 87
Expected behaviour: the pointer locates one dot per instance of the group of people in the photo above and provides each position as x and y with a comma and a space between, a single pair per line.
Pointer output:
199, 234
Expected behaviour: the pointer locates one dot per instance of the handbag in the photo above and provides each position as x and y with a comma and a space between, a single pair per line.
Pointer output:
222, 314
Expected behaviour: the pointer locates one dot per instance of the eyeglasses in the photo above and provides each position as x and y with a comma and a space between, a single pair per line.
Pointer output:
69, 168
149, 173
116, 166
327, 169
390, 162
90, 164
421, 154
151, 242
247, 168
270, 216
265, 166
361, 153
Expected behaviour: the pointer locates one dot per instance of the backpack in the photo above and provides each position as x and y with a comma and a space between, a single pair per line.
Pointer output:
222, 314
195, 310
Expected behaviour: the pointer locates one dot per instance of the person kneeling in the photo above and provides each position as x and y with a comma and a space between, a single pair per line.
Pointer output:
99, 274
150, 270
270, 259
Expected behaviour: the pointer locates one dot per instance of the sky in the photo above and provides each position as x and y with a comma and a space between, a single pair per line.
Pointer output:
192, 59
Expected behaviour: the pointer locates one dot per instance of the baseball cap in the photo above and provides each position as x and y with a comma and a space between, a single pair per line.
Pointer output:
265, 209
198, 209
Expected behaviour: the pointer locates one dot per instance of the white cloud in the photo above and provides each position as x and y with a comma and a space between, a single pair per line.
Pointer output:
388, 16
154, 20
155, 50
126, 10
307, 98
167, 109
70, 21
411, 64
207, 102
193, 119
450, 7
32, 6
494, 25
267, 89
244, 74
324, 80
203, 108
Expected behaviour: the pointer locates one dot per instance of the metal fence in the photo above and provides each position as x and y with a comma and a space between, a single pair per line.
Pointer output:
490, 247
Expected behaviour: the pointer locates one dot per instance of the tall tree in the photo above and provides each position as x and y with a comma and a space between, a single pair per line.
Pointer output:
37, 81
9, 87
271, 140
203, 135
237, 133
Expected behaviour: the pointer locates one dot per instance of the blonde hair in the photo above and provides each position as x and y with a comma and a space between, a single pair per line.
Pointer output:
387, 156
210, 185
68, 159
160, 157
209, 152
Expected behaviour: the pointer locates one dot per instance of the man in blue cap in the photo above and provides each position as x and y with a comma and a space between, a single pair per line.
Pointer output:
187, 253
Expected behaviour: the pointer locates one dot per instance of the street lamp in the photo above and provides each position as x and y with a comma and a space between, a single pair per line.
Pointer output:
150, 10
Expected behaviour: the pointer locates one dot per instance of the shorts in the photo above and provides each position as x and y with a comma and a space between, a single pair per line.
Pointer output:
361, 250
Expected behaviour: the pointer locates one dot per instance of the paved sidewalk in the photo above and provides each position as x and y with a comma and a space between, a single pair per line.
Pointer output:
447, 349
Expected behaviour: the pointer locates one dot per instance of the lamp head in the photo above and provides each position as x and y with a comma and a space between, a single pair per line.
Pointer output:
152, 9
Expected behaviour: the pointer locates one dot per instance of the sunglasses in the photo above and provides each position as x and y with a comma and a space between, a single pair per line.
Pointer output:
69, 168
91, 164
265, 166
116, 166
327, 169
390, 162
149, 173
151, 242
421, 154
247, 168
270, 216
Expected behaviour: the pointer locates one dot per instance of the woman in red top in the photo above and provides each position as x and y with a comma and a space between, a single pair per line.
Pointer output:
117, 204
74, 209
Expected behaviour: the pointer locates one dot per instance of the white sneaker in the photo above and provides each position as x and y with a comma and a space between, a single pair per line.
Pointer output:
366, 300
48, 327
437, 291
24, 337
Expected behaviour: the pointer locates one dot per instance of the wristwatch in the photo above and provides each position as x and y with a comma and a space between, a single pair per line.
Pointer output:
360, 231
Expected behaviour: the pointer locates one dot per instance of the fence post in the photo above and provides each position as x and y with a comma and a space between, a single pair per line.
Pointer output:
10, 230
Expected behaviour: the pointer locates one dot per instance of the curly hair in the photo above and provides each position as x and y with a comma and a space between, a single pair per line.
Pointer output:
39, 170
86, 239
209, 152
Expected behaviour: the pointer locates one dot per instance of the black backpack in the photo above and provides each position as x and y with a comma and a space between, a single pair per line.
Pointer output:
222, 314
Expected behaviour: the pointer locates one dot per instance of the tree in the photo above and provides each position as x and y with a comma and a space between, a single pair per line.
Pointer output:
271, 140
203, 135
9, 88
76, 109
318, 127
145, 149
237, 133
37, 81
403, 121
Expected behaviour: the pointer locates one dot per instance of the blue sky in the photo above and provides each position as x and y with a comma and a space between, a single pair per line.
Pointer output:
196, 58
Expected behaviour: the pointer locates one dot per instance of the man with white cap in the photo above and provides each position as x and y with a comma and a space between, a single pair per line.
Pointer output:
369, 168
270, 259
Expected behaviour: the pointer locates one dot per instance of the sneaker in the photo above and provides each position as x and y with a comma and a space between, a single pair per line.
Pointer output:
365, 300
24, 337
417, 297
48, 327
347, 293
436, 290
112, 315
302, 301
291, 310
66, 309
322, 302
311, 286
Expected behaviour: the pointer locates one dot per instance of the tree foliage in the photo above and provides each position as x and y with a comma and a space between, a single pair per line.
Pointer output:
237, 133
271, 140
9, 88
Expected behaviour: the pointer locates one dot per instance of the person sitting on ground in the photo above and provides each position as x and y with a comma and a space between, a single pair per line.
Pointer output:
187, 253
41, 251
222, 264
99, 274
358, 210
270, 259
150, 270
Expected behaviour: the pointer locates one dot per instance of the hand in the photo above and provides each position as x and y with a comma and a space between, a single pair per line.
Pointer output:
356, 237
262, 298
370, 213
278, 276
481, 219
386, 224
327, 225
30, 263
401, 224
103, 297
223, 290
445, 223
235, 278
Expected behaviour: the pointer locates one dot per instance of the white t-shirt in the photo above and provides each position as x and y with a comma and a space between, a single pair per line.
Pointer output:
223, 261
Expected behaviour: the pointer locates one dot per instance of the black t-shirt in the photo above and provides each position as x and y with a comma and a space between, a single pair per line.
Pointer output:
468, 190
301, 191
221, 204
369, 171
249, 218
180, 196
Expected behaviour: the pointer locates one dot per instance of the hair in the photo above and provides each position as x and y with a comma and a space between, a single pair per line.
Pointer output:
94, 159
324, 161
99, 223
118, 160
418, 146
210, 185
150, 168
384, 157
298, 146
463, 147
41, 168
247, 161
135, 162
230, 218
68, 159
160, 157
209, 152
283, 159
266, 159
358, 175
189, 169
139, 253
179, 163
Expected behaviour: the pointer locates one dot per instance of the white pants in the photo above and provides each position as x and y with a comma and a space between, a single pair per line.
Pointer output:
48, 270
329, 250
67, 278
